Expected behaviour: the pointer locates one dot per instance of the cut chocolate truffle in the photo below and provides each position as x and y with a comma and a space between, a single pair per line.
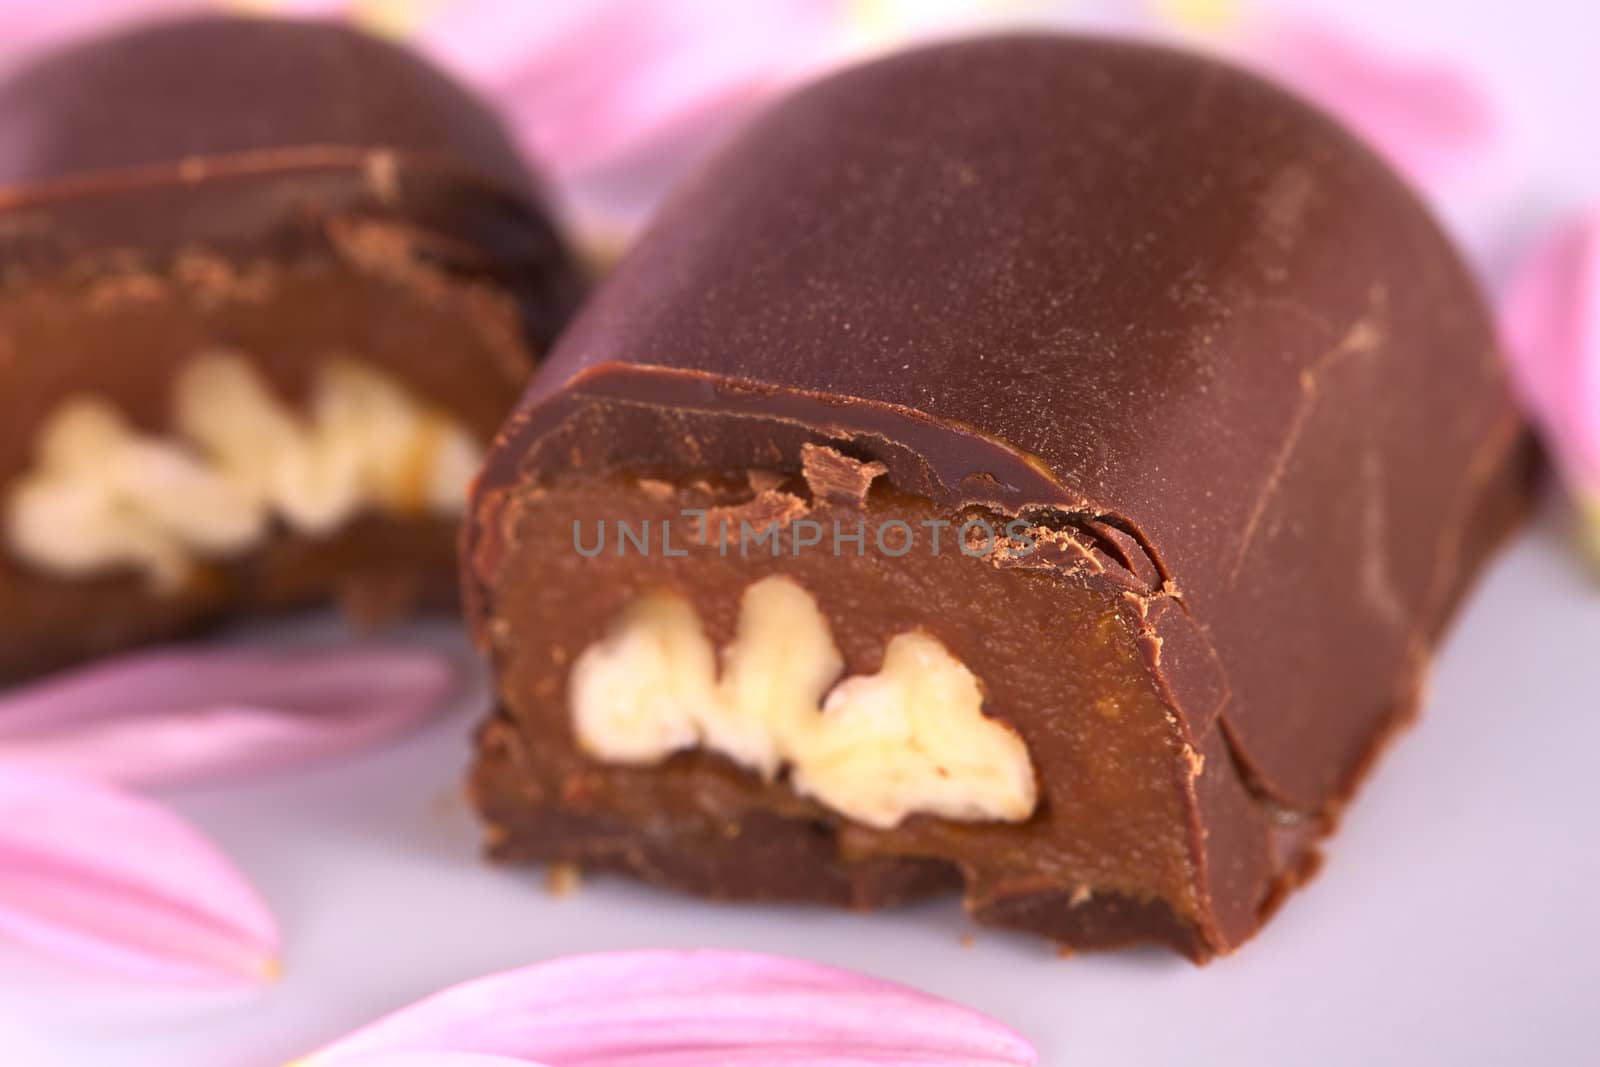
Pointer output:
1035, 465
268, 288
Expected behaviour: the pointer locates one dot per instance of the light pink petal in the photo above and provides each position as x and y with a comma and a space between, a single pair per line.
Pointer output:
1551, 321
1431, 119
601, 81
111, 880
208, 712
488, 40
805, 1055
641, 1009
348, 9
437, 1059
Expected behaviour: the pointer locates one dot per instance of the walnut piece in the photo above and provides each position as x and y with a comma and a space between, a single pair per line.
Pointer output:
877, 748
102, 495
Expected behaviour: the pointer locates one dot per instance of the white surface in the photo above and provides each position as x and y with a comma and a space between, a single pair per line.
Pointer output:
1455, 921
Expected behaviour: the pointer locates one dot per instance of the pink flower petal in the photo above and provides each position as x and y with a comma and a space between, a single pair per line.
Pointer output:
437, 1059
1432, 120
114, 881
661, 1008
1551, 320
182, 715
590, 84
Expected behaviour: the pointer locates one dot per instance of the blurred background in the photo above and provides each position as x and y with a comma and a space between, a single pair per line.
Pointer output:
1487, 105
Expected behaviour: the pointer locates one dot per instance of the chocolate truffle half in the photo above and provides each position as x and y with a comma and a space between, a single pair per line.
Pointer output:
268, 288
1035, 465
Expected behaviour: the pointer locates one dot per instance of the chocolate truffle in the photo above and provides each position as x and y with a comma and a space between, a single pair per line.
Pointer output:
268, 288
1033, 465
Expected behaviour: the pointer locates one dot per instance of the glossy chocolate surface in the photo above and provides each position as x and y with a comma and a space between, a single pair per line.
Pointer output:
251, 138
1115, 289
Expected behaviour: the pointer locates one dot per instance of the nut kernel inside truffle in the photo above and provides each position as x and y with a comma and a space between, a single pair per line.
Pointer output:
909, 739
102, 496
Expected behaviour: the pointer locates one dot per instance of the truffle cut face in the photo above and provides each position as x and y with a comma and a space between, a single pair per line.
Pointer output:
153, 480
1035, 465
983, 707
254, 348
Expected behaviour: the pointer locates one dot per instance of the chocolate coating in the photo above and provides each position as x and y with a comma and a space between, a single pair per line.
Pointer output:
156, 94
288, 188
1132, 293
245, 136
